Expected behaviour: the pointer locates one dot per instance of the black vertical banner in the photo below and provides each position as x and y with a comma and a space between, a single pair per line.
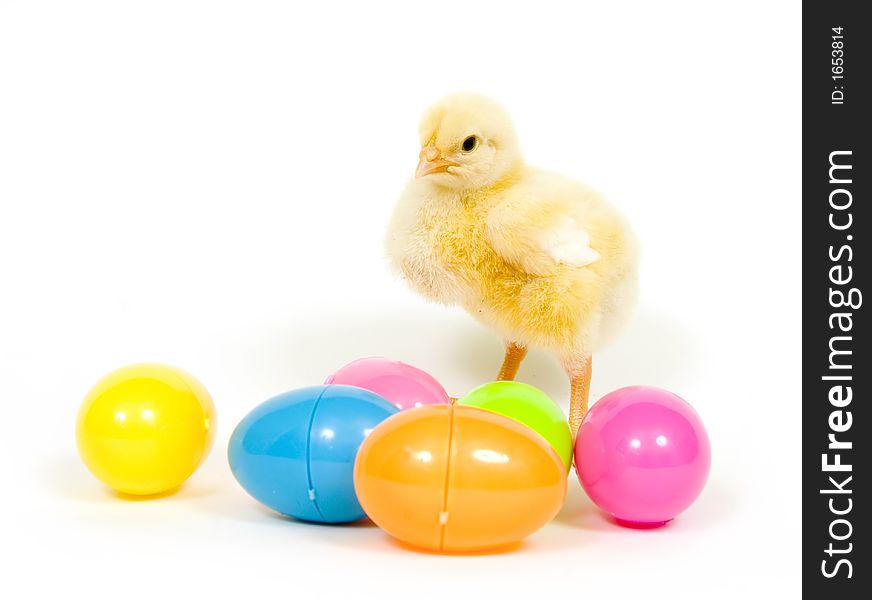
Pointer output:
836, 369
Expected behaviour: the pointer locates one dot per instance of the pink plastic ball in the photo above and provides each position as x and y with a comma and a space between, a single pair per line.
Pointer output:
401, 384
642, 455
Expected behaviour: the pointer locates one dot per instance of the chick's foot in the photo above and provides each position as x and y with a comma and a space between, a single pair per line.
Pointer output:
579, 390
515, 353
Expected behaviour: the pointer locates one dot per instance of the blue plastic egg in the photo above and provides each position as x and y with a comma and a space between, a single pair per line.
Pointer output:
295, 452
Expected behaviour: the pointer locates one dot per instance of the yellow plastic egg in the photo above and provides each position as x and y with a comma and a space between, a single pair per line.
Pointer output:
144, 429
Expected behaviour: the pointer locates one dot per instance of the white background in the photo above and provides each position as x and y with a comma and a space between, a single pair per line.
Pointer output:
207, 184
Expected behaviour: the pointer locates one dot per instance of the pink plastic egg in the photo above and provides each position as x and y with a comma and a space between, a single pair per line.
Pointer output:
400, 384
642, 455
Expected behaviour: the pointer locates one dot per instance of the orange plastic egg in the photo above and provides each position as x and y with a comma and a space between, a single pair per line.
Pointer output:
458, 479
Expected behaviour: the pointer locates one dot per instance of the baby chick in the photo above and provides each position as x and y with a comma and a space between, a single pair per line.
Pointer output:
541, 259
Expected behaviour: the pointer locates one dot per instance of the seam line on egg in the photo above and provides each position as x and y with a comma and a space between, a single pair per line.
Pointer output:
311, 491
443, 514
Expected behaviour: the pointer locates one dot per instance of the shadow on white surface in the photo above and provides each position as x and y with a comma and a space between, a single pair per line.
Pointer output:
247, 509
214, 495
717, 504
67, 478
579, 512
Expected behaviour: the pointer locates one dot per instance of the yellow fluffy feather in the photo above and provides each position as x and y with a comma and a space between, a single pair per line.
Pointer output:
543, 260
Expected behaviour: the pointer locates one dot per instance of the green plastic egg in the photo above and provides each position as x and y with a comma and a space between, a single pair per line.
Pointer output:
528, 405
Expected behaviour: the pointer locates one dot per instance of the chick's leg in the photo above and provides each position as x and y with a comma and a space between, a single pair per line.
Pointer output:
515, 353
579, 382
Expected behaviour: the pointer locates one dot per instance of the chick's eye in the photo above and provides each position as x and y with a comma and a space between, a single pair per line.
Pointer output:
470, 144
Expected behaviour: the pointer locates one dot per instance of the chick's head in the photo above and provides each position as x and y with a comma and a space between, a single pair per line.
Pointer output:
467, 142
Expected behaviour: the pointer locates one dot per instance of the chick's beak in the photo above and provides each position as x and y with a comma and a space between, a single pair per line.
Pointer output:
431, 161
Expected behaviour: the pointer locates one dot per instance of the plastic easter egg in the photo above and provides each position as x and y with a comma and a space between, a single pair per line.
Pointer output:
642, 455
455, 478
401, 384
144, 429
528, 405
295, 453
